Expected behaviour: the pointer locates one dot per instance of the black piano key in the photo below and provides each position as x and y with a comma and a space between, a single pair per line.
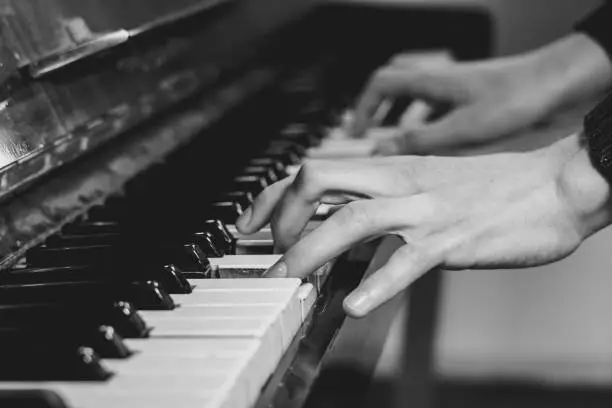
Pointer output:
44, 256
103, 340
68, 240
107, 343
287, 158
267, 173
250, 184
31, 399
185, 256
172, 279
398, 108
222, 234
169, 276
288, 147
242, 198
113, 209
315, 112
226, 211
277, 167
144, 295
42, 275
189, 258
209, 244
122, 316
303, 134
78, 328
47, 364
96, 227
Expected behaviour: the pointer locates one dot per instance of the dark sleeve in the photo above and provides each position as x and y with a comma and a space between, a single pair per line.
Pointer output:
598, 134
598, 25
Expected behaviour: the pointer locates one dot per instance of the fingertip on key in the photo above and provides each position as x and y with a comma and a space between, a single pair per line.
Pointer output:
356, 305
243, 222
278, 270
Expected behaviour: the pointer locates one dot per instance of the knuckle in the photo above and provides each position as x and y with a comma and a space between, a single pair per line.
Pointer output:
356, 216
307, 178
424, 208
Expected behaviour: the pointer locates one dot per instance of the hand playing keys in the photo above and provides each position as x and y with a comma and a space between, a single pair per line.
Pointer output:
497, 211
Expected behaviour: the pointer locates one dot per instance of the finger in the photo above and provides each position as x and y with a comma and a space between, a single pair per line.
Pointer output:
382, 85
260, 212
422, 59
312, 183
462, 127
416, 114
352, 224
405, 266
390, 147
391, 82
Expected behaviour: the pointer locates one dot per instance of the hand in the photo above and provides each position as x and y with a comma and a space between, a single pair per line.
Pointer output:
486, 100
497, 211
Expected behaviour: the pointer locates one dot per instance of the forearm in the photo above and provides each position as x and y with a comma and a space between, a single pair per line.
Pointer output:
572, 68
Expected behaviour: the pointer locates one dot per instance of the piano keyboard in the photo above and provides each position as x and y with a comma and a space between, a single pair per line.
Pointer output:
176, 319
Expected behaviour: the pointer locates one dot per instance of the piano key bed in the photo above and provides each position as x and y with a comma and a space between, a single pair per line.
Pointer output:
201, 328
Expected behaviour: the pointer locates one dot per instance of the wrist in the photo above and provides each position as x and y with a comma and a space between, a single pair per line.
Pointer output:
570, 69
584, 190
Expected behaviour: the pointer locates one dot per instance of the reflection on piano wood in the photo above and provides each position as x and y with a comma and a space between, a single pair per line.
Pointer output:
124, 282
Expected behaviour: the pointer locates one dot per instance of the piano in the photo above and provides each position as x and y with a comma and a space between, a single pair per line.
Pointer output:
134, 133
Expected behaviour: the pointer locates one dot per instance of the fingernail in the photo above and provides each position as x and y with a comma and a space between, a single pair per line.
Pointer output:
245, 219
356, 304
278, 270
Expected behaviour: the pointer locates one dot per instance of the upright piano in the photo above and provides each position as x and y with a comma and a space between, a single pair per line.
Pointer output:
134, 133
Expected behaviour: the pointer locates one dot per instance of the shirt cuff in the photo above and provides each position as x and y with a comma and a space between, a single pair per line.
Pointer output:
598, 133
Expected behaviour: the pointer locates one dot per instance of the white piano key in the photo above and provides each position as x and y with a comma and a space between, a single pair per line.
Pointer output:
124, 384
236, 327
148, 364
382, 111
275, 300
415, 115
245, 261
251, 285
193, 347
381, 133
205, 372
346, 143
307, 295
339, 149
146, 400
242, 266
219, 311
338, 133
203, 297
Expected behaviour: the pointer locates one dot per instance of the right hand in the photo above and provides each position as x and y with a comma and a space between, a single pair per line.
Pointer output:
511, 210
487, 100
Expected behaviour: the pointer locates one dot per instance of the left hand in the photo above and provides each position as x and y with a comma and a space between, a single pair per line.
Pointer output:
498, 211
